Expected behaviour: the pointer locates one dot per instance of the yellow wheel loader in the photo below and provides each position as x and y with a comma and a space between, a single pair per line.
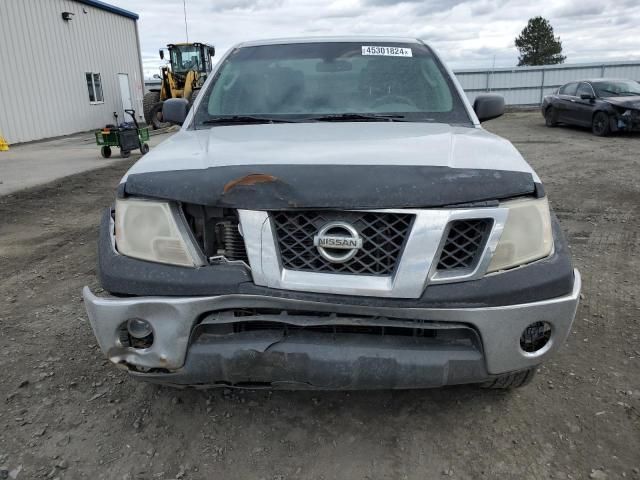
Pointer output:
189, 65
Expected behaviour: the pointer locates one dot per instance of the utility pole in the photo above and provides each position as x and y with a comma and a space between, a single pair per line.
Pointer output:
186, 29
489, 75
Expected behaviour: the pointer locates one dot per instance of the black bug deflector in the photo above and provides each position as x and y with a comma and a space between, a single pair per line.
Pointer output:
271, 187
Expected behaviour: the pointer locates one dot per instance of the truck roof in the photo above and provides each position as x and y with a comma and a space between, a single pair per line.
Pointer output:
328, 39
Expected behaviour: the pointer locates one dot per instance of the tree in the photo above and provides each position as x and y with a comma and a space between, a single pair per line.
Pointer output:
537, 45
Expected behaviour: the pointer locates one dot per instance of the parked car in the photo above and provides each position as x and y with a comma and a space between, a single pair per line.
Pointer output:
332, 215
604, 105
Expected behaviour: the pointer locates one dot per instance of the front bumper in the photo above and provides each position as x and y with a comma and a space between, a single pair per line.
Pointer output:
177, 356
626, 123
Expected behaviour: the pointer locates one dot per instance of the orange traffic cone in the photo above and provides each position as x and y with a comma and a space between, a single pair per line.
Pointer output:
4, 146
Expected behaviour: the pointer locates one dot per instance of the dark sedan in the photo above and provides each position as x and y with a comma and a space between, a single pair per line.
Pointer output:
604, 105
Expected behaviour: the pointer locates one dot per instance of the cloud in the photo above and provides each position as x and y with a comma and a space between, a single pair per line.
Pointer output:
390, 2
430, 7
250, 5
343, 9
580, 8
485, 7
467, 33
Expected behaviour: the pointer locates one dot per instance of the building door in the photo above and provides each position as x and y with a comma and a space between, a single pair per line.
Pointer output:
125, 94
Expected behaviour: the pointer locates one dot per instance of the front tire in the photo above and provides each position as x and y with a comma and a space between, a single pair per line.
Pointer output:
511, 380
156, 117
148, 102
551, 117
600, 125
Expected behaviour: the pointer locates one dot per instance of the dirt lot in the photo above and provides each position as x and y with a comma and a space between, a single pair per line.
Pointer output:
67, 413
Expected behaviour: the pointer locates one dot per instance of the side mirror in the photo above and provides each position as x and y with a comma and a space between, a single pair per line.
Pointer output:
212, 51
488, 106
174, 110
587, 96
161, 54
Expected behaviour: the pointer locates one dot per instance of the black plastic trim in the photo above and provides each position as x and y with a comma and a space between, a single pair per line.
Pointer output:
317, 361
120, 193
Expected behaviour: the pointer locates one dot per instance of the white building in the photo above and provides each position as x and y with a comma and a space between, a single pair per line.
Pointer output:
66, 66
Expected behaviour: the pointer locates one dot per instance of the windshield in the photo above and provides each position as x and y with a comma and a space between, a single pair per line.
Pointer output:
617, 88
184, 58
332, 82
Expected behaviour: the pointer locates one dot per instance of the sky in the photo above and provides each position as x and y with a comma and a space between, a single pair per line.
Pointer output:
467, 33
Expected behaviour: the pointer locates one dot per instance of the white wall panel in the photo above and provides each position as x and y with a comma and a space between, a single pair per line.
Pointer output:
43, 92
529, 85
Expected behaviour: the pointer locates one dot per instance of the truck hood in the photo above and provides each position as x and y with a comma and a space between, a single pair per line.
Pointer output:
332, 165
362, 143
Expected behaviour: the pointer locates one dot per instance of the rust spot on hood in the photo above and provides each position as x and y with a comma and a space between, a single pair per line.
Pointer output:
247, 180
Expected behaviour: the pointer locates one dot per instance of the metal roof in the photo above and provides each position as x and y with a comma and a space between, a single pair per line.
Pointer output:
109, 8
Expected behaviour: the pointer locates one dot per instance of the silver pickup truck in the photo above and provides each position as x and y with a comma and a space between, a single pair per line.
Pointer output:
331, 215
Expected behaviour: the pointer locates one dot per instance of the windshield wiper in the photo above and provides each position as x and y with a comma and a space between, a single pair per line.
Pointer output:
347, 117
244, 119
339, 117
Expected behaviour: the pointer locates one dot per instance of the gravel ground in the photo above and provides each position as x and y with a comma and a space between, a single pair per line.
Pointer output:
66, 413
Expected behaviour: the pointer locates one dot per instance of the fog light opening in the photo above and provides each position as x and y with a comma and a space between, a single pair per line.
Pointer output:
136, 333
535, 337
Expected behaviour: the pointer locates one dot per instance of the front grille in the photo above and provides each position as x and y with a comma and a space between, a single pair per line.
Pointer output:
383, 237
464, 244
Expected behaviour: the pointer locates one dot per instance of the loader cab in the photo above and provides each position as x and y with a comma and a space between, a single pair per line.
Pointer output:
188, 66
185, 57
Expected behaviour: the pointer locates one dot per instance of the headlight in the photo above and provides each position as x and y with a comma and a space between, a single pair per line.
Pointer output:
148, 230
526, 236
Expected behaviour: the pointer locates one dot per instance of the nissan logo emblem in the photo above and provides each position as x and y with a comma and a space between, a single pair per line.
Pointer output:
337, 242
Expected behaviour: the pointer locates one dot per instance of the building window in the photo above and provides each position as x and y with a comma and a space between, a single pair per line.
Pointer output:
94, 85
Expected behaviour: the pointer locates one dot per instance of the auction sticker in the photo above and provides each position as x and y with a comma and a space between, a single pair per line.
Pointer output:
386, 51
